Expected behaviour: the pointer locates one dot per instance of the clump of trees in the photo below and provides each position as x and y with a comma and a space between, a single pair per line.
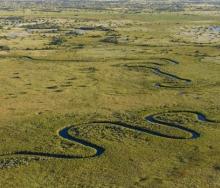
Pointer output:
4, 48
46, 25
110, 39
57, 41
76, 32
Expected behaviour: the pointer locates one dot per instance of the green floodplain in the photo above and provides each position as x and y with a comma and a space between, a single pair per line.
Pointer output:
110, 96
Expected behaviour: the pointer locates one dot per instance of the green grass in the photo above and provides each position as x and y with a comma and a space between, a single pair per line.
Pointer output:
48, 87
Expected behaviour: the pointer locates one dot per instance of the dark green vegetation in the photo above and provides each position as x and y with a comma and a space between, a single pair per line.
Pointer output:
109, 96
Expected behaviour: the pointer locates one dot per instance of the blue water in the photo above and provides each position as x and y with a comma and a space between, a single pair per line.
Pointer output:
215, 28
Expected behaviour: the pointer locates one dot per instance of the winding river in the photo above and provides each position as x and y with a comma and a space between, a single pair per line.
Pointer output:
153, 119
176, 81
98, 150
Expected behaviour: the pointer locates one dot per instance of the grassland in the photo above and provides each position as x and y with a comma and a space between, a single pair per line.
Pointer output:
101, 73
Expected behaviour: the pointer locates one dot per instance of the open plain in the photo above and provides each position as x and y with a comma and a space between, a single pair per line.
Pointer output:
109, 96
